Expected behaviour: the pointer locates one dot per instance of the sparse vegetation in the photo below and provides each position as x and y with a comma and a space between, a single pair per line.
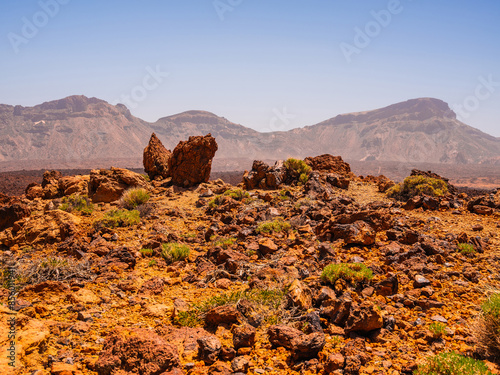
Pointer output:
452, 364
53, 268
147, 252
418, 185
173, 252
225, 242
466, 249
268, 301
236, 194
353, 273
297, 169
277, 225
119, 218
437, 329
132, 198
487, 328
80, 203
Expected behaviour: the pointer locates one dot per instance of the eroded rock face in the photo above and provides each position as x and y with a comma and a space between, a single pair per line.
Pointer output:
108, 185
156, 158
13, 212
329, 164
191, 160
137, 351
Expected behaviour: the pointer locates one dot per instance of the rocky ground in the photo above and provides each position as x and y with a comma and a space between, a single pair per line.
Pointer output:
249, 298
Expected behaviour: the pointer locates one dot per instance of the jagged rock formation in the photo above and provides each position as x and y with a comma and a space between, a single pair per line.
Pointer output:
329, 164
156, 159
191, 160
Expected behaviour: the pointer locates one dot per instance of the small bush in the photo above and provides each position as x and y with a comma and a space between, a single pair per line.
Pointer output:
147, 252
297, 169
119, 218
225, 242
487, 328
134, 197
54, 269
466, 249
267, 301
277, 225
437, 329
80, 203
452, 364
173, 252
353, 273
418, 185
237, 194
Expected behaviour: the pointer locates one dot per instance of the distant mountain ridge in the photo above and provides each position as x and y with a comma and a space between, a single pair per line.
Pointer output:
88, 132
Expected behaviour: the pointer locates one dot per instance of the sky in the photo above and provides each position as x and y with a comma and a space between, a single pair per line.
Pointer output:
270, 65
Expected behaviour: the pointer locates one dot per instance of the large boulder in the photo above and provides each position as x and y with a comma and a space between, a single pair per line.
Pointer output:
138, 351
329, 164
191, 160
156, 158
108, 185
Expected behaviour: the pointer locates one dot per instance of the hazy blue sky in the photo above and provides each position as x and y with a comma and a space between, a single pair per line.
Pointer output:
266, 64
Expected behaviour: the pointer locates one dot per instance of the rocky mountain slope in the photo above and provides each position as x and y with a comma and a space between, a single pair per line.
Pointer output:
218, 280
80, 132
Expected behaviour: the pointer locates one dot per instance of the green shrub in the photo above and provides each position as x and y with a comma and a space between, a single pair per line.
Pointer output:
237, 194
486, 330
132, 198
268, 301
225, 242
353, 273
80, 203
452, 364
277, 225
173, 252
437, 329
147, 252
418, 185
297, 169
119, 218
466, 249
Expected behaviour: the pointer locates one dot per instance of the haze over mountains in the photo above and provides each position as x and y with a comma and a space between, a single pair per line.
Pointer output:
81, 132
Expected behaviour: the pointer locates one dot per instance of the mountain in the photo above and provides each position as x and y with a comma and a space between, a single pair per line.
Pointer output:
79, 132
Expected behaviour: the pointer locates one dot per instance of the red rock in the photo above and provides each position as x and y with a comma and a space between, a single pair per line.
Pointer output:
136, 351
108, 185
156, 158
364, 318
329, 164
222, 315
191, 160
243, 336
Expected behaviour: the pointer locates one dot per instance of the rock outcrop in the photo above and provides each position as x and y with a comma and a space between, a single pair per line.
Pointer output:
156, 159
263, 176
329, 164
191, 160
137, 351
108, 185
